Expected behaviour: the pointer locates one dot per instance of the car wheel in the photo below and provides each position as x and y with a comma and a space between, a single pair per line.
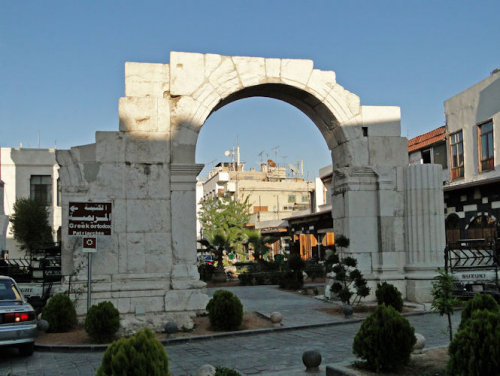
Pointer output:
26, 349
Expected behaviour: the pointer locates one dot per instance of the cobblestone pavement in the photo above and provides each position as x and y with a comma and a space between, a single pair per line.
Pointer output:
261, 354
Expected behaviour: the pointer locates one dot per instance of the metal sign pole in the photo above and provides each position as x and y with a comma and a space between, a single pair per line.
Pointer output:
89, 280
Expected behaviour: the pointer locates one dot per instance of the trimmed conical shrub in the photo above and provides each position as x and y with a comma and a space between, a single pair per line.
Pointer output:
225, 311
385, 340
389, 295
479, 302
138, 355
60, 313
475, 349
102, 322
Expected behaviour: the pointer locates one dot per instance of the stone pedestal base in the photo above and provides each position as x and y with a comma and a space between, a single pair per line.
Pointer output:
143, 302
419, 285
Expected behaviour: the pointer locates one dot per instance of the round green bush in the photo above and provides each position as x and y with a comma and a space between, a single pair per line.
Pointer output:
102, 322
225, 311
389, 295
60, 313
475, 349
385, 340
138, 355
480, 301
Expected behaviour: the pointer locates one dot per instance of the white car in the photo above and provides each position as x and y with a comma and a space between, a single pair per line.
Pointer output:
18, 324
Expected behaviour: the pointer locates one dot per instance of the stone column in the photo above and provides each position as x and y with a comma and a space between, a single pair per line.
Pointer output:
186, 292
355, 212
425, 232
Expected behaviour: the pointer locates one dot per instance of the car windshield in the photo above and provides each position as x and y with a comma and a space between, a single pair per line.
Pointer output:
9, 291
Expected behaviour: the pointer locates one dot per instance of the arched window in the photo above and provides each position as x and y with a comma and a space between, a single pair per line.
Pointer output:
483, 227
452, 225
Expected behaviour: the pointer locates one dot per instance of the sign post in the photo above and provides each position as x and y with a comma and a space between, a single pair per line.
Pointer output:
89, 220
89, 246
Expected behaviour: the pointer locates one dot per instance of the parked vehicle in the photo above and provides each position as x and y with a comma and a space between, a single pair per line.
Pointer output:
18, 324
38, 276
205, 259
474, 266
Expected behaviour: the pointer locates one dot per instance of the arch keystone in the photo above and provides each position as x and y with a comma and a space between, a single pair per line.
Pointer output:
252, 70
296, 72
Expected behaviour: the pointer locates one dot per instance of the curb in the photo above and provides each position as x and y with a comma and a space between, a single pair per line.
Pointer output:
180, 340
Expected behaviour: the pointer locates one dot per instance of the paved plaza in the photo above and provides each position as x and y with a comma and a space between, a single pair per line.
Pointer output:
269, 353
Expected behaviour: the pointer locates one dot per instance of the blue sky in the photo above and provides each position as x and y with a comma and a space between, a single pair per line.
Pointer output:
62, 63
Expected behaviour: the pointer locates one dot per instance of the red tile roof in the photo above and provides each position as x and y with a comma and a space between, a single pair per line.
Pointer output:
426, 139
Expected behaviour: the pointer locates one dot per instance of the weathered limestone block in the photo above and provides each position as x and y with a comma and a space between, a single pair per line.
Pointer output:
335, 101
212, 61
188, 115
321, 83
382, 120
138, 114
147, 147
184, 271
110, 147
148, 215
344, 157
146, 79
182, 203
158, 255
186, 72
251, 70
296, 72
109, 182
273, 68
178, 284
225, 78
206, 95
185, 300
389, 151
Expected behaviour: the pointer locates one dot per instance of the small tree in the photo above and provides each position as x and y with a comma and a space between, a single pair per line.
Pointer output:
223, 220
30, 224
443, 299
349, 280
259, 244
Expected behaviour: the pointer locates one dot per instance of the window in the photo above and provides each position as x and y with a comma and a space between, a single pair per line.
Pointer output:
427, 156
483, 227
457, 155
292, 198
41, 188
305, 198
485, 147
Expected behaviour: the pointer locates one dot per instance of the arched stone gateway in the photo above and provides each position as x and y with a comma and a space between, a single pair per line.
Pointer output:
392, 213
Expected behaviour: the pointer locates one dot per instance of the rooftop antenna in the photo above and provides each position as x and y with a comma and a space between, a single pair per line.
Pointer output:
260, 155
276, 148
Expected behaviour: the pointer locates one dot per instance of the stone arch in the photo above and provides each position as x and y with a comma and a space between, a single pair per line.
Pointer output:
452, 227
147, 170
220, 80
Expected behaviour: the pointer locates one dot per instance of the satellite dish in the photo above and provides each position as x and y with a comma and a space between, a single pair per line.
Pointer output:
293, 168
227, 153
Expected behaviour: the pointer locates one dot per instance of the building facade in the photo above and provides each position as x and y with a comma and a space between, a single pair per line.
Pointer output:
472, 194
272, 195
30, 173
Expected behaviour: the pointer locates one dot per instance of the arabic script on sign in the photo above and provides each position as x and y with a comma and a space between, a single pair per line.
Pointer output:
89, 218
